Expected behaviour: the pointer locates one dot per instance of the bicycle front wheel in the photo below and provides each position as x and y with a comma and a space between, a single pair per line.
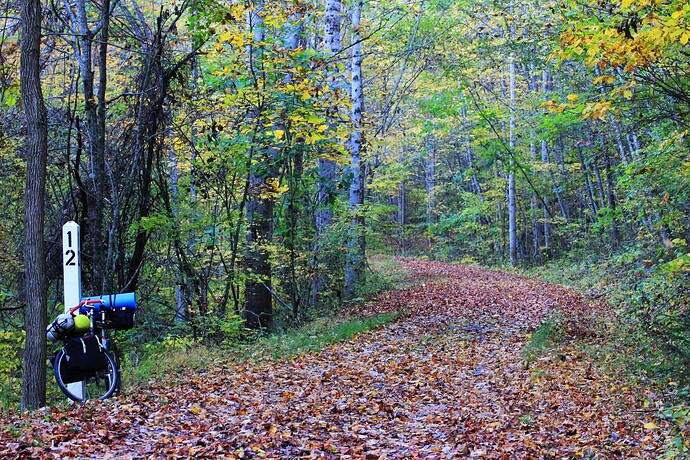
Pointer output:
82, 387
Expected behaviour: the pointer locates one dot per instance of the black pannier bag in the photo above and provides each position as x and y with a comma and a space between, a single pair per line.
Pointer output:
84, 358
119, 318
71, 374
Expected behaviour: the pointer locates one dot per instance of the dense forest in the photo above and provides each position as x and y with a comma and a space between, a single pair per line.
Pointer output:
235, 163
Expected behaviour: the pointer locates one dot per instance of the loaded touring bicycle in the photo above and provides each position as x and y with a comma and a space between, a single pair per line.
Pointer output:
86, 366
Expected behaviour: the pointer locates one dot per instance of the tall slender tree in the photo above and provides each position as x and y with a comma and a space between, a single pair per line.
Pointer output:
258, 311
356, 253
512, 207
34, 367
85, 44
327, 166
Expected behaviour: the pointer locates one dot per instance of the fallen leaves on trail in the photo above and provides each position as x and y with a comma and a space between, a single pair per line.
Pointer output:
447, 380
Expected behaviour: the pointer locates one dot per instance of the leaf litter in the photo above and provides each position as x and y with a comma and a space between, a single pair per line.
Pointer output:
446, 380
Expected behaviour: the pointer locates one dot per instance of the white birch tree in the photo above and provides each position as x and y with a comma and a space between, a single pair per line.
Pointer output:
356, 253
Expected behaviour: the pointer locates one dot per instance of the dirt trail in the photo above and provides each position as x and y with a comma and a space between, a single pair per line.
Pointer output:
448, 380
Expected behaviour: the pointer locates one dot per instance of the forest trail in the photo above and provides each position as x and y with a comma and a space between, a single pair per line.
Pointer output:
447, 380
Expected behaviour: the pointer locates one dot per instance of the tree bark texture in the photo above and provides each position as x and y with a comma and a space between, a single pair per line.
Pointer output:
95, 251
34, 359
327, 167
258, 312
357, 244
512, 208
545, 160
258, 298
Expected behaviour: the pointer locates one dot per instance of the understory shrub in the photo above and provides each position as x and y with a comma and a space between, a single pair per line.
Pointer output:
11, 344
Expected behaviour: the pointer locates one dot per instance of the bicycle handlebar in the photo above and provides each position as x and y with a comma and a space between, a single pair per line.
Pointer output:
85, 303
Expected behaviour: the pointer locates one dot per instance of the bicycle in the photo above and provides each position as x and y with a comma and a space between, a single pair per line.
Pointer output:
86, 366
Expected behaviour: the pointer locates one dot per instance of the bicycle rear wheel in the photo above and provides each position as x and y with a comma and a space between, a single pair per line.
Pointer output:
94, 385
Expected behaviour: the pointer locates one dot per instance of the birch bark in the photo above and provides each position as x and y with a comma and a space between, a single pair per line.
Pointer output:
512, 207
357, 244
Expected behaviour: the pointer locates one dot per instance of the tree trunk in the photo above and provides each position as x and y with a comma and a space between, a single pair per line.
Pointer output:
95, 251
512, 208
100, 275
181, 292
296, 203
294, 210
476, 185
430, 180
34, 356
534, 211
610, 193
401, 216
589, 187
611, 198
152, 118
327, 167
545, 160
258, 312
327, 171
357, 245
562, 204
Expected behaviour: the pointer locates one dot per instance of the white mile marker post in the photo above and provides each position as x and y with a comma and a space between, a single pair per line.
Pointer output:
71, 266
